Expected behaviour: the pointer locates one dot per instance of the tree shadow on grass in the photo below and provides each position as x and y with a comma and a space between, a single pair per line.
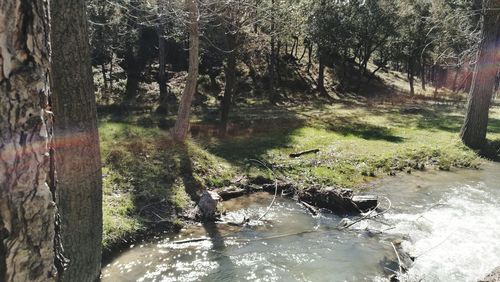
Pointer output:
353, 126
192, 186
253, 140
440, 121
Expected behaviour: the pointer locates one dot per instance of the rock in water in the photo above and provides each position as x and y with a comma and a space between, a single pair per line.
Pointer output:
493, 277
208, 205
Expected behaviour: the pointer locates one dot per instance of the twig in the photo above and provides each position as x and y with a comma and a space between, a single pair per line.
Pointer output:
150, 204
432, 248
399, 259
369, 215
275, 189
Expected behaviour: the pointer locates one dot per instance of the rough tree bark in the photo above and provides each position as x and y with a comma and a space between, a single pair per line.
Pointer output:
77, 141
180, 130
474, 129
28, 229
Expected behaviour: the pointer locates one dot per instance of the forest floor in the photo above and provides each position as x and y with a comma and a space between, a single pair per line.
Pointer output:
148, 178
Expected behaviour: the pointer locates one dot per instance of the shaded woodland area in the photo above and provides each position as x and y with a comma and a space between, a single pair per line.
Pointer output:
177, 97
265, 49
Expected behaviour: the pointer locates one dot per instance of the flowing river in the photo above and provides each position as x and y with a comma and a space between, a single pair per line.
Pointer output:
448, 221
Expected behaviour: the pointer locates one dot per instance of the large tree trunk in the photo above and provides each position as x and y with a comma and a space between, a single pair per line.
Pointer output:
181, 127
77, 156
230, 73
28, 229
474, 129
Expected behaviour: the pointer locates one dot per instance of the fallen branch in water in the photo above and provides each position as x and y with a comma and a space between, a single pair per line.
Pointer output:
399, 259
193, 240
310, 208
284, 235
368, 215
275, 188
200, 239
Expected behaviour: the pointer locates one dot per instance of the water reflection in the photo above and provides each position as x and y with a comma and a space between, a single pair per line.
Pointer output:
294, 246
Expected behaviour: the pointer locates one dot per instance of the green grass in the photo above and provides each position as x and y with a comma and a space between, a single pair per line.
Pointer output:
357, 143
147, 176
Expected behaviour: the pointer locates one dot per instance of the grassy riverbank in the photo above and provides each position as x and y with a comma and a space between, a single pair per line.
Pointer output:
149, 178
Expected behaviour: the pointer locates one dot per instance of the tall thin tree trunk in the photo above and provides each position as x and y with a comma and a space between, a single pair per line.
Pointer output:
272, 60
28, 213
104, 78
304, 51
410, 76
278, 62
131, 87
162, 75
78, 156
321, 76
422, 74
111, 74
455, 79
309, 56
181, 127
473, 132
230, 74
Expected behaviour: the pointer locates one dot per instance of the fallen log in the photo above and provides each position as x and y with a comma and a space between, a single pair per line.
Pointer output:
232, 192
335, 199
310, 208
298, 154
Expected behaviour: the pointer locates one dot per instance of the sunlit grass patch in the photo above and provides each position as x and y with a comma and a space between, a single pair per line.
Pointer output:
144, 169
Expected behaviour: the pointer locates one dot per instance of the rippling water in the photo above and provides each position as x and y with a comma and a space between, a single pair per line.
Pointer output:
449, 221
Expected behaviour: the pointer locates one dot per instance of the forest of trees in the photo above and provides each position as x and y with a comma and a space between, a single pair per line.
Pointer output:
50, 166
435, 41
